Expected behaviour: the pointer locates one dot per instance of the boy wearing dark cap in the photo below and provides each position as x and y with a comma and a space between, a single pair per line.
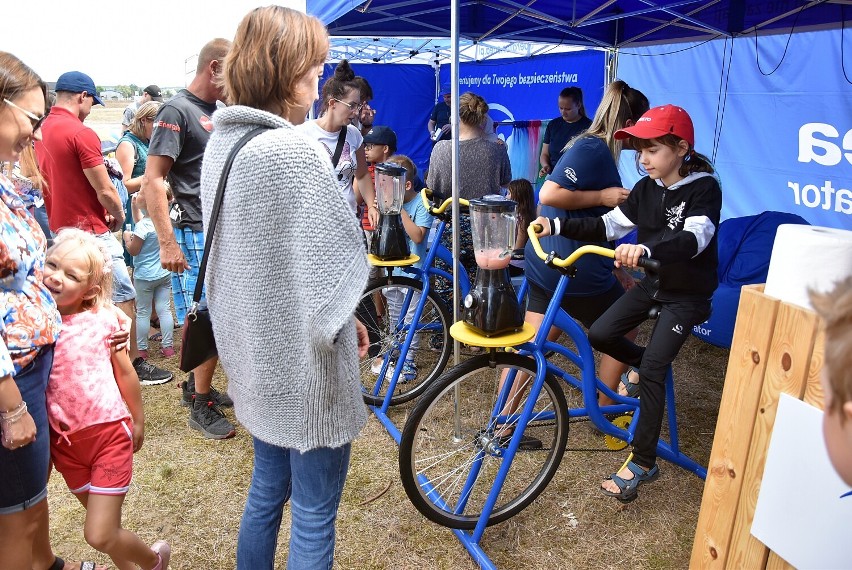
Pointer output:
379, 144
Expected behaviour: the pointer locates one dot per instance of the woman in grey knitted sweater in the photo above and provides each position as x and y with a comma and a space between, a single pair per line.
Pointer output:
286, 269
485, 169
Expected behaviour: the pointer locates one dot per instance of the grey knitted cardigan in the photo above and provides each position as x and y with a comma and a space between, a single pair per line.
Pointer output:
286, 270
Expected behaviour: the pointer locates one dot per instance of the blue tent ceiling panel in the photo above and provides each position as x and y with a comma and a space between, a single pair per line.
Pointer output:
608, 23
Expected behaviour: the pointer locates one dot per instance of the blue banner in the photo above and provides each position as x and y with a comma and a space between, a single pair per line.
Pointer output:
528, 89
777, 117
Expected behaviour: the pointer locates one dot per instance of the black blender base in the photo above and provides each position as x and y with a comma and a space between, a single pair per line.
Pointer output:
389, 241
492, 306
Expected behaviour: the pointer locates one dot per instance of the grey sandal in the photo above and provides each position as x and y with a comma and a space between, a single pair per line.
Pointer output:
631, 389
627, 487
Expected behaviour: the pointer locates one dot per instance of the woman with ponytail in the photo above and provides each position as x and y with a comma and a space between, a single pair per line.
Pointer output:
341, 103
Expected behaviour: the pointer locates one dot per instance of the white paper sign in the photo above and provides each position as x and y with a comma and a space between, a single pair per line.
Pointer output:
800, 514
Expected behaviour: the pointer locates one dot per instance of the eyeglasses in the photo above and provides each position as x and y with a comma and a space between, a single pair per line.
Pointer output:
350, 106
34, 119
369, 146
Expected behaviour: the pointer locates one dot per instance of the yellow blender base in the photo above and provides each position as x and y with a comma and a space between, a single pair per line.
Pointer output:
462, 332
410, 260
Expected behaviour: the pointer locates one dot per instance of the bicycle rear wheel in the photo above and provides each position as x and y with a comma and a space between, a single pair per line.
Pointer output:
449, 455
386, 339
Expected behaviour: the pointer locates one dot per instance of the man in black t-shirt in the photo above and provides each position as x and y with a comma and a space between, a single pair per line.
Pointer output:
440, 118
181, 131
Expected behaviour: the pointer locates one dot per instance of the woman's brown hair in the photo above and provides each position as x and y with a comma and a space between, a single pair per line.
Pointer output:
620, 103
472, 109
273, 48
16, 78
340, 84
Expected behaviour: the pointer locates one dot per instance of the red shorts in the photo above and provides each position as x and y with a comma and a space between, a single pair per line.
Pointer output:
98, 460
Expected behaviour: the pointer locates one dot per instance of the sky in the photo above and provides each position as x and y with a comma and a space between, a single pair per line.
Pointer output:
120, 43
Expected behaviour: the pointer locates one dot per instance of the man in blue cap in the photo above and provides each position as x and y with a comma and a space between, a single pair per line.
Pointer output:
439, 121
82, 194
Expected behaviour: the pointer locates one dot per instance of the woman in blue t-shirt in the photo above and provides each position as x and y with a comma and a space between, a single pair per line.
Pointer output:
586, 183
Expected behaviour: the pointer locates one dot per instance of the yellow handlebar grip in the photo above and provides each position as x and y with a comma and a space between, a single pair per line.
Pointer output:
532, 232
425, 194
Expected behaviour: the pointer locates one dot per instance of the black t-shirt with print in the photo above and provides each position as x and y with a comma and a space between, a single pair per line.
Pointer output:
181, 132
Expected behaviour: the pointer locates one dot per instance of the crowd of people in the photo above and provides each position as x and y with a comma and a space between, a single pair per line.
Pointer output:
76, 326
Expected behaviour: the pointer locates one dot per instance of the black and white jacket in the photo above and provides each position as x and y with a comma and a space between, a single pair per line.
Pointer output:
676, 226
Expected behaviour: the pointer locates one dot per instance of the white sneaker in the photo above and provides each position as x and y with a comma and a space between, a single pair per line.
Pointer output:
376, 366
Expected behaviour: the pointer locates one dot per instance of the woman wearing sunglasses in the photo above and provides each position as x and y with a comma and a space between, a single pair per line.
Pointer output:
31, 325
341, 103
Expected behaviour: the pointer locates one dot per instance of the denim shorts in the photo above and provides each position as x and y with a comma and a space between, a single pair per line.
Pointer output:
23, 472
191, 244
122, 285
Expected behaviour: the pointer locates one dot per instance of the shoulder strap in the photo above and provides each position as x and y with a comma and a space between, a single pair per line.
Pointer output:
217, 206
341, 138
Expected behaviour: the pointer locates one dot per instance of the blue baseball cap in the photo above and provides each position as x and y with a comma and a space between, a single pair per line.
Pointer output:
446, 88
381, 135
77, 82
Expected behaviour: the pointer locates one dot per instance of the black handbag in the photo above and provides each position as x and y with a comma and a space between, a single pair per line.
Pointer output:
198, 344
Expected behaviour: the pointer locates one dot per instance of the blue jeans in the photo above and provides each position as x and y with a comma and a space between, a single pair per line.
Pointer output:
23, 471
314, 480
159, 293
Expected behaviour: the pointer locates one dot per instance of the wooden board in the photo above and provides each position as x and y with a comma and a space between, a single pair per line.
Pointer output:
743, 381
787, 370
777, 347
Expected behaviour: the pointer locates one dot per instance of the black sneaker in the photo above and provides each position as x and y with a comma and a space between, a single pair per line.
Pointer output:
150, 375
188, 394
211, 422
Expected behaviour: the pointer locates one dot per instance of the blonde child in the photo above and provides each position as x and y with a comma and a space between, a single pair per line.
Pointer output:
94, 401
417, 221
835, 307
676, 208
153, 283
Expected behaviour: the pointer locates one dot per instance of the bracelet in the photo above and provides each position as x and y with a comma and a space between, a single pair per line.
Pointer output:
13, 415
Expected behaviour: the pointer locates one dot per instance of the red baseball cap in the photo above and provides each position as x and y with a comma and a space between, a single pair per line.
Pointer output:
660, 121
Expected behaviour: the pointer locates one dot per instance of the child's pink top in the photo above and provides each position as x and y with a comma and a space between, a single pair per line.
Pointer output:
82, 390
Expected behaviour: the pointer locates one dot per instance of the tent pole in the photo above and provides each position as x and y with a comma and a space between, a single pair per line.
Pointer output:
454, 126
611, 66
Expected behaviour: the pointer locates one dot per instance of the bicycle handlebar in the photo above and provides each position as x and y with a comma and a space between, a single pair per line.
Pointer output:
425, 194
532, 232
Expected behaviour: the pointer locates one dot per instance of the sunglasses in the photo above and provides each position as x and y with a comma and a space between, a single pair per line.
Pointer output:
34, 119
350, 106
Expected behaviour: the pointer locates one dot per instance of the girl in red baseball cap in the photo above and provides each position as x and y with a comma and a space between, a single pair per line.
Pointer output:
676, 209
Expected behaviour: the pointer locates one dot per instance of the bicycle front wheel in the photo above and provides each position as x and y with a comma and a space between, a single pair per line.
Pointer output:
428, 352
455, 441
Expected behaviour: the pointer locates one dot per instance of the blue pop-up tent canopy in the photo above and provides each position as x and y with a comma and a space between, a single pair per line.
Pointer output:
767, 83
595, 23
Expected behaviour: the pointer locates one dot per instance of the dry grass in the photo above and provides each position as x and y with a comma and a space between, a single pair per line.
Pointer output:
191, 491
